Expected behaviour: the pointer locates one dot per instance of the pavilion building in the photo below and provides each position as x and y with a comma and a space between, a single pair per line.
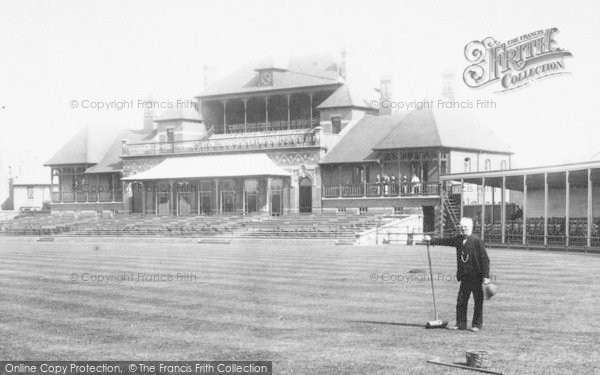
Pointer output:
276, 138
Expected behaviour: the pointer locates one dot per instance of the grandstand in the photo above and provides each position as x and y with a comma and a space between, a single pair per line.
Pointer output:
555, 205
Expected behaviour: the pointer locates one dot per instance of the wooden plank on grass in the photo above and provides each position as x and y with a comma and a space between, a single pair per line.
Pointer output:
438, 362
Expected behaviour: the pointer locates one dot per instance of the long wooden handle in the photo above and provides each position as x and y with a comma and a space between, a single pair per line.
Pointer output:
431, 278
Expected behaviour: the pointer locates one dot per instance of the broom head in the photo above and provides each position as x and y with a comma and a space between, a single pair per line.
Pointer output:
436, 324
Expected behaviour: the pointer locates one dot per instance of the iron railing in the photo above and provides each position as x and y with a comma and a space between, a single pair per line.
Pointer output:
271, 126
234, 143
89, 197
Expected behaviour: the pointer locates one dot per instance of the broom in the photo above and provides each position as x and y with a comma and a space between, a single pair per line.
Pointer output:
437, 323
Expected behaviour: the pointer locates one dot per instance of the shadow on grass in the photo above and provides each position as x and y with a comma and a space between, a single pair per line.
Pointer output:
389, 323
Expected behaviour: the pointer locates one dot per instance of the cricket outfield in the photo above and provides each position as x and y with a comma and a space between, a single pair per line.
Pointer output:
308, 306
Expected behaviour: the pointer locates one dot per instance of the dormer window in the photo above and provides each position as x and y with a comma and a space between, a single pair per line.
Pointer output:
265, 78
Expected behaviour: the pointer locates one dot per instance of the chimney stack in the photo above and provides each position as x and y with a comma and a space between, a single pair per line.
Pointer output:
342, 69
11, 191
149, 124
385, 95
448, 86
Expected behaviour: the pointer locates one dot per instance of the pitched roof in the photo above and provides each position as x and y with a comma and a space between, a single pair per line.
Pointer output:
96, 145
352, 95
184, 113
416, 129
87, 146
449, 128
304, 71
357, 145
111, 162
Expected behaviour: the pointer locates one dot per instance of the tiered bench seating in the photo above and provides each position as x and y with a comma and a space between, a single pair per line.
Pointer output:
287, 226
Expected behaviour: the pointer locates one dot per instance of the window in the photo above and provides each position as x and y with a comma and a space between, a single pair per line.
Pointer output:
503, 165
170, 135
29, 192
227, 185
251, 185
467, 164
488, 164
276, 184
206, 186
336, 124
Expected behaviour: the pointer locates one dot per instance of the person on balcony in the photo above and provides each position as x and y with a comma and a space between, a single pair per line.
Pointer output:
386, 185
394, 187
404, 185
415, 184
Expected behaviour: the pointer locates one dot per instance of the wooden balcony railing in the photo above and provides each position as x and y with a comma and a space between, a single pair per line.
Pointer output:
272, 126
382, 190
89, 197
234, 143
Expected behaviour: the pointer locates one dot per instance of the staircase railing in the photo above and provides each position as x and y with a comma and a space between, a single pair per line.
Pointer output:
450, 209
209, 133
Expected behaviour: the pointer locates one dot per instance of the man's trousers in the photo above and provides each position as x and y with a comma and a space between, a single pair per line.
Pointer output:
464, 292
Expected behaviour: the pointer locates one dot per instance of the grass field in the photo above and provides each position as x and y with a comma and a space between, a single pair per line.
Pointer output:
310, 307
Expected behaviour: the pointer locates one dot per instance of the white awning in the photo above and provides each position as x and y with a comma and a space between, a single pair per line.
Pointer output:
238, 165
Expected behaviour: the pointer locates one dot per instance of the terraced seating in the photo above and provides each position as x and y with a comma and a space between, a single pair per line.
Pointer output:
191, 226
288, 226
43, 224
310, 226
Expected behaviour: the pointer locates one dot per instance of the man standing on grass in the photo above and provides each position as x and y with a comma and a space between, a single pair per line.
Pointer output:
473, 269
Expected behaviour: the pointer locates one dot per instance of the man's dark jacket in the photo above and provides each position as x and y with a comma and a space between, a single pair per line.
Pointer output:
472, 262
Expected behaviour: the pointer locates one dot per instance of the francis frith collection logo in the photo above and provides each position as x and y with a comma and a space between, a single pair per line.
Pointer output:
515, 63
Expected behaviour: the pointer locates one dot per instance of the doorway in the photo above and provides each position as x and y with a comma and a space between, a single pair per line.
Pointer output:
428, 219
184, 204
276, 204
251, 202
205, 205
227, 201
137, 204
305, 196
163, 204
251, 196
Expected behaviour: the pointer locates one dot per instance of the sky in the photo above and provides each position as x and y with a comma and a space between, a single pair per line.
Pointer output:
52, 53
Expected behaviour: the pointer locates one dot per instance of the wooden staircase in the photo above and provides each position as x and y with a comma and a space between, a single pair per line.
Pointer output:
451, 214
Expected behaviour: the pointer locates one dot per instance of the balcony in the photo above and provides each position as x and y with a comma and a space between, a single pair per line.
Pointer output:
272, 126
372, 190
89, 197
226, 143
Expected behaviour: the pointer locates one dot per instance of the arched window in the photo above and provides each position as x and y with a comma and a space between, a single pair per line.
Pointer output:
305, 182
503, 165
467, 164
488, 164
